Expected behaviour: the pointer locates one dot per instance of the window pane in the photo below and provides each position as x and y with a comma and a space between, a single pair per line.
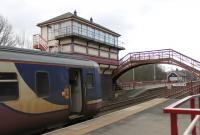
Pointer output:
97, 34
84, 30
76, 24
55, 26
63, 24
42, 83
112, 39
90, 81
107, 38
8, 76
102, 34
116, 41
90, 32
76, 27
8, 86
56, 32
51, 32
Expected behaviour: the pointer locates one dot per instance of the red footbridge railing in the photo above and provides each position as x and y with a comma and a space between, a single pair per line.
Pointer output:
176, 109
165, 56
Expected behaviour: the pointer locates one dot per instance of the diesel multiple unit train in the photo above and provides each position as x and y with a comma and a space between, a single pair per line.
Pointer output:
39, 89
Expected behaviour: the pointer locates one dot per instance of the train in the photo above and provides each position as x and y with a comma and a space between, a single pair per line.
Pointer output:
40, 89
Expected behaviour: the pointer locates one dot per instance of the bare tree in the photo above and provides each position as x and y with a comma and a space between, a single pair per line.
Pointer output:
23, 41
7, 38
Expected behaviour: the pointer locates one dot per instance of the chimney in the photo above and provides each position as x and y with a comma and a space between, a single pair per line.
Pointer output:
91, 20
75, 13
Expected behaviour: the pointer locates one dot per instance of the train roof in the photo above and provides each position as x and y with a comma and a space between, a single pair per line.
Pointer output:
27, 55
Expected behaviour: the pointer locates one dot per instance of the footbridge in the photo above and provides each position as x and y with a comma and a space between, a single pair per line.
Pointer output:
164, 56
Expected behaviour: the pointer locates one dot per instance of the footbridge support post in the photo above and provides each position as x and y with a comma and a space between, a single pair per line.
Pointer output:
174, 127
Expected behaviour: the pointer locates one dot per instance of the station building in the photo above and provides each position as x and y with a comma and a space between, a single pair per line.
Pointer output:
176, 77
69, 33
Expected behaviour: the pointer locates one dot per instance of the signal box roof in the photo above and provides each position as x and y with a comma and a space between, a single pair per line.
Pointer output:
70, 16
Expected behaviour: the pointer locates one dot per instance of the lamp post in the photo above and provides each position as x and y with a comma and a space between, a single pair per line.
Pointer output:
154, 72
133, 74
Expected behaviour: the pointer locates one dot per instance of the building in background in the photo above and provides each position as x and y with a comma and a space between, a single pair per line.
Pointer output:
69, 33
177, 76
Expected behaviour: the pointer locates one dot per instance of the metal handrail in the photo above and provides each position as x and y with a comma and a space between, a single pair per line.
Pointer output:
175, 109
188, 131
165, 53
38, 40
173, 57
86, 33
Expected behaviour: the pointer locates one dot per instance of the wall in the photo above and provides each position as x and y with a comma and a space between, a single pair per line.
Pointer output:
79, 41
106, 85
65, 41
113, 56
66, 48
104, 54
44, 33
53, 43
92, 51
79, 49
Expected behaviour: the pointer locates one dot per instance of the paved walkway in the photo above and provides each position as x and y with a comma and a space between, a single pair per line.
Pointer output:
115, 123
148, 122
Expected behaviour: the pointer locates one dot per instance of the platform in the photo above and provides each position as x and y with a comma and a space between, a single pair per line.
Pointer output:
112, 123
151, 121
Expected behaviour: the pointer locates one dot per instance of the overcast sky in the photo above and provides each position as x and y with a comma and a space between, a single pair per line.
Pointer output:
143, 24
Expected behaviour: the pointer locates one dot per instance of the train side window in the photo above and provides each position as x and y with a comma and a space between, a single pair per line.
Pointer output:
42, 84
90, 81
9, 89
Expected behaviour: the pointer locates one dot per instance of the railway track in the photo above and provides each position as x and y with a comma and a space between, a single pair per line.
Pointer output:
148, 95
125, 103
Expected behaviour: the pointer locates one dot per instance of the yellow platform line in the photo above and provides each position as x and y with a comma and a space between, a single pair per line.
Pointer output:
93, 124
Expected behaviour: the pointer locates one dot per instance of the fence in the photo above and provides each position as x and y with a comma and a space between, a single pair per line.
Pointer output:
194, 110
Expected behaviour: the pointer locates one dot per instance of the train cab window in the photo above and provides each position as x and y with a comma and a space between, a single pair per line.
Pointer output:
90, 81
42, 84
9, 89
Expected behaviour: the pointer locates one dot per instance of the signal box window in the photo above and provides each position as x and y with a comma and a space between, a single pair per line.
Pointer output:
9, 89
90, 81
42, 84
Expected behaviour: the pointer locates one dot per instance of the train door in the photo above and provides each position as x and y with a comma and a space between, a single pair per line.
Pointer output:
90, 82
76, 98
90, 85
